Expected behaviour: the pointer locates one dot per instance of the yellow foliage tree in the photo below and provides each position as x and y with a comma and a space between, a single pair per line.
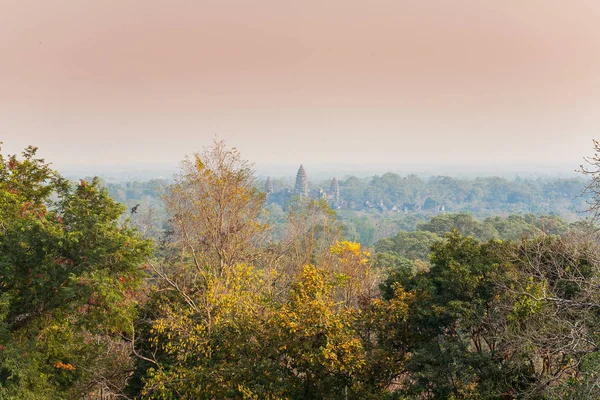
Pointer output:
319, 349
353, 269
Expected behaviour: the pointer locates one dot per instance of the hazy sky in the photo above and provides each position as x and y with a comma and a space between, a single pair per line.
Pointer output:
338, 81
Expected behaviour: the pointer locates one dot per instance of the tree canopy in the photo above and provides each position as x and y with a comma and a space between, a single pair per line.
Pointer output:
239, 298
69, 272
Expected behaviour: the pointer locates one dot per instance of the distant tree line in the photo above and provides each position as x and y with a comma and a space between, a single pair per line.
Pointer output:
382, 206
411, 194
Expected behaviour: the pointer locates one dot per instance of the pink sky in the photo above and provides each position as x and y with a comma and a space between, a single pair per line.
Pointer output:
123, 81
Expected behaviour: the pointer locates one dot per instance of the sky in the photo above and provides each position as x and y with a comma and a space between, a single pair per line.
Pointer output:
462, 82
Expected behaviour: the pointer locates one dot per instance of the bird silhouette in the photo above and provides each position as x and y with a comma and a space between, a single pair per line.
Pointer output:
134, 209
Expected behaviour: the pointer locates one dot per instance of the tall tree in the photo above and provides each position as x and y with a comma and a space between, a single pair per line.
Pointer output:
215, 208
207, 282
68, 272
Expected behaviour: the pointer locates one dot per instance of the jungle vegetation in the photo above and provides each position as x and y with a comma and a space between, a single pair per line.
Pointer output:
230, 297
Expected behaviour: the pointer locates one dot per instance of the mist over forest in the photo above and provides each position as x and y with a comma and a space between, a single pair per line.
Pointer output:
310, 200
320, 172
215, 282
375, 207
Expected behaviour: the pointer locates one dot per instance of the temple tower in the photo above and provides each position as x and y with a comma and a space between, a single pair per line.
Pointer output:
334, 190
301, 182
269, 186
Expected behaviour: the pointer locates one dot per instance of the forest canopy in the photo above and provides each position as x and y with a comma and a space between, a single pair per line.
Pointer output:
232, 296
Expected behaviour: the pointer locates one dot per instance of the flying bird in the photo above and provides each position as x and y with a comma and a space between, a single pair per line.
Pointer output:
134, 209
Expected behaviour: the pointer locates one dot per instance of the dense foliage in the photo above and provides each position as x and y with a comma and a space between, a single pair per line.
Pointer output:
241, 299
68, 279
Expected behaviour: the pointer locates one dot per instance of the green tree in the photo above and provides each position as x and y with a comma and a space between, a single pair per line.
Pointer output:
463, 223
496, 320
457, 314
410, 245
68, 275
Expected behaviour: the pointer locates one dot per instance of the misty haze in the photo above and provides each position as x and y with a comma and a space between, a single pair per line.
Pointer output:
315, 200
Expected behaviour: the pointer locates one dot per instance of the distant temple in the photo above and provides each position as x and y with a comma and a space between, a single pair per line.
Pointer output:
334, 190
392, 204
269, 186
283, 195
301, 187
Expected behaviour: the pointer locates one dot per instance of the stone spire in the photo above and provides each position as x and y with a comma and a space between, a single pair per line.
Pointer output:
334, 189
301, 182
269, 186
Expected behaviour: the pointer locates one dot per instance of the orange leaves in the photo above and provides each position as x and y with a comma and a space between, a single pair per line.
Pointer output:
29, 208
41, 212
63, 366
25, 208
